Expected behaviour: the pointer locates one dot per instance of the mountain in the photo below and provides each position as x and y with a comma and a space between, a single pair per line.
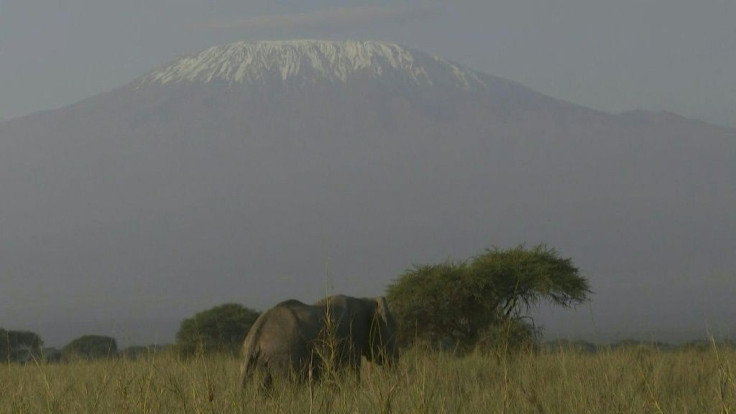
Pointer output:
258, 171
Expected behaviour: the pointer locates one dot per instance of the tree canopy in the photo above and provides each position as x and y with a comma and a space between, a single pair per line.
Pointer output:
461, 302
219, 329
19, 346
91, 347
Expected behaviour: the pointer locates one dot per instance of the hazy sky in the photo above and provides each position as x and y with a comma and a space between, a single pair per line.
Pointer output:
675, 55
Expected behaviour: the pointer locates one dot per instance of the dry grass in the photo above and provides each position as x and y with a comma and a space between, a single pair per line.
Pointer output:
639, 380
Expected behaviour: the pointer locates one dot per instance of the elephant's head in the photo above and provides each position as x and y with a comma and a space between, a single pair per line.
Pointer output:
382, 347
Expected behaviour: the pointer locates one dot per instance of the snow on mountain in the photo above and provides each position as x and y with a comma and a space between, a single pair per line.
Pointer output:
311, 61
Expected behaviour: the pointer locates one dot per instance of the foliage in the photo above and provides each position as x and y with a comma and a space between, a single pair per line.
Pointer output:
51, 355
427, 300
219, 329
19, 346
458, 303
138, 351
571, 346
510, 335
90, 347
521, 276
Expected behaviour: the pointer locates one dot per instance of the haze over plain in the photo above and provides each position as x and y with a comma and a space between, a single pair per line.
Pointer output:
89, 53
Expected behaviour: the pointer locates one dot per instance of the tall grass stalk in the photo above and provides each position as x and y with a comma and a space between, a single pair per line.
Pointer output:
631, 380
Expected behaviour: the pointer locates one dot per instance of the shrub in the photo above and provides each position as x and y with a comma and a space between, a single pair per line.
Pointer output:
219, 329
90, 347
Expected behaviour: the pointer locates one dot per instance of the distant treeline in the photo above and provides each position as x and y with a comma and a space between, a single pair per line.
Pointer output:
26, 347
589, 347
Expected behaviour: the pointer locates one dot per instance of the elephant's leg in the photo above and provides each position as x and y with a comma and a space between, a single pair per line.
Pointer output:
355, 369
313, 367
351, 363
267, 382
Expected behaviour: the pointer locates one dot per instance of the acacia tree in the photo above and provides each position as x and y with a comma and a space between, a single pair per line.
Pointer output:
219, 329
461, 302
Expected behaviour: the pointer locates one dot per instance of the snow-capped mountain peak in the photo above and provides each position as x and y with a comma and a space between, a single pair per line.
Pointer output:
311, 61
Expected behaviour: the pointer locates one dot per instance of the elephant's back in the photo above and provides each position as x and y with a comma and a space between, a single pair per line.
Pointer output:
281, 331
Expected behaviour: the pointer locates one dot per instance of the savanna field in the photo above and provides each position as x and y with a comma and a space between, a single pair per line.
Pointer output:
640, 379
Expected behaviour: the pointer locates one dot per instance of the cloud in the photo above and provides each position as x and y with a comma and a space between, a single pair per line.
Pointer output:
325, 19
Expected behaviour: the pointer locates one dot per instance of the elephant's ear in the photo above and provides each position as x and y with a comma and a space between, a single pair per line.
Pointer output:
383, 339
382, 310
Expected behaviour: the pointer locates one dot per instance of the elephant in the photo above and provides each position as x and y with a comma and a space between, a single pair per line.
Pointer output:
298, 341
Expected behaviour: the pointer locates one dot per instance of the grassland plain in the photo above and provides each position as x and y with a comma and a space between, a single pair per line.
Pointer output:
631, 380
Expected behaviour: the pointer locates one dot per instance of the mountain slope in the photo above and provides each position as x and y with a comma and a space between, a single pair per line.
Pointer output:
253, 172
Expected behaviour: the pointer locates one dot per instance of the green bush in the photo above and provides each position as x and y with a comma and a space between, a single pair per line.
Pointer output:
90, 347
220, 329
19, 346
